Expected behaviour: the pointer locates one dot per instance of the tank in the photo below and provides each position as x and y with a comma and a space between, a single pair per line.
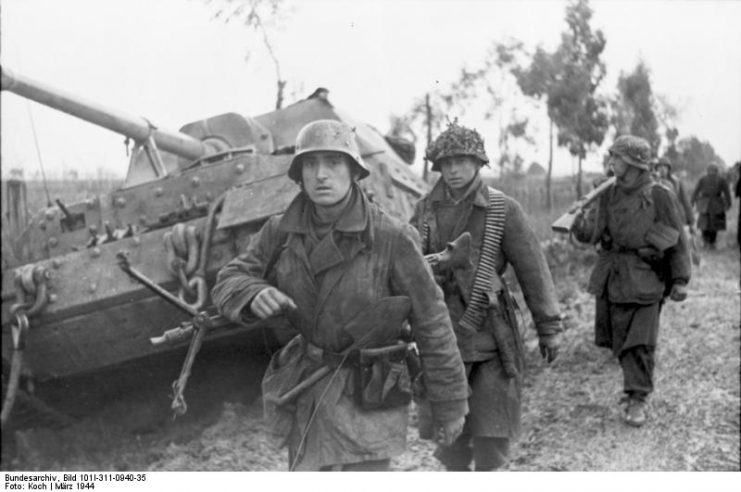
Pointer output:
121, 278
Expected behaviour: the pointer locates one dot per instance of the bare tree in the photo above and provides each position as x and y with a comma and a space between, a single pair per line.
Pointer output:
261, 17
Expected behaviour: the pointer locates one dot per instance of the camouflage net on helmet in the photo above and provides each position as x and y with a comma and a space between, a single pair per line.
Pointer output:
634, 150
456, 140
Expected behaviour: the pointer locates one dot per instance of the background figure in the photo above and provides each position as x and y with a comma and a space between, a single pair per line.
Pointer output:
663, 170
712, 198
664, 173
487, 332
346, 276
643, 257
737, 168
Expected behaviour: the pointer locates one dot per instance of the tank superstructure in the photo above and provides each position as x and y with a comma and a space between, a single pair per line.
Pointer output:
190, 202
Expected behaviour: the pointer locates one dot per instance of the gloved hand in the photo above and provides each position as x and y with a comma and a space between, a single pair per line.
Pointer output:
678, 293
270, 302
448, 432
549, 346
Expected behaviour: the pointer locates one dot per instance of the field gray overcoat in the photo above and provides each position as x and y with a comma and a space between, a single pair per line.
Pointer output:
368, 256
496, 400
628, 272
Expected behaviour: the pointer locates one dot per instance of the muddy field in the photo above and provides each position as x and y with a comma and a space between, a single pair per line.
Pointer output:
571, 420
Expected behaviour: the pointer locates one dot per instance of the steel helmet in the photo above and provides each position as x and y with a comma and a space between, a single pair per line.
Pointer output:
326, 135
456, 140
635, 151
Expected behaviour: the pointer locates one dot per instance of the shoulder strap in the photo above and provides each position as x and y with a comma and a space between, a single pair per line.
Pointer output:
493, 232
275, 256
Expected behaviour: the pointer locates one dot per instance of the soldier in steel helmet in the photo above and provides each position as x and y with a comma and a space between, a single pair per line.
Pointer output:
480, 305
712, 197
643, 258
664, 174
346, 276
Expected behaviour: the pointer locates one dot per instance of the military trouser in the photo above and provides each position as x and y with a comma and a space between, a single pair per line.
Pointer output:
488, 453
493, 420
638, 370
709, 237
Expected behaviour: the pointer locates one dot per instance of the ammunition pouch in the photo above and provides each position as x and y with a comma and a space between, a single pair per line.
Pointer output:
662, 236
383, 376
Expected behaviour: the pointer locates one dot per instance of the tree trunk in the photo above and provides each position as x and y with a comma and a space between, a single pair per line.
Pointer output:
279, 95
548, 193
428, 110
578, 180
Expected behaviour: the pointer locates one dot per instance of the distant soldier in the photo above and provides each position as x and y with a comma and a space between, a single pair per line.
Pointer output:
347, 276
479, 303
663, 170
712, 197
737, 169
664, 173
643, 257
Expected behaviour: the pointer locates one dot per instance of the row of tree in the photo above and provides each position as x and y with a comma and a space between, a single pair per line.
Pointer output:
511, 83
565, 81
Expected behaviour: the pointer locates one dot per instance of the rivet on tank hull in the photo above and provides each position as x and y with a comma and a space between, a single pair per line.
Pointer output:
49, 215
136, 241
195, 182
56, 263
93, 287
158, 191
52, 298
95, 252
239, 168
120, 202
53, 242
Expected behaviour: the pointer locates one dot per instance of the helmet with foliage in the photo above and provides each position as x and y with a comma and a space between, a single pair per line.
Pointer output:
456, 140
330, 136
635, 151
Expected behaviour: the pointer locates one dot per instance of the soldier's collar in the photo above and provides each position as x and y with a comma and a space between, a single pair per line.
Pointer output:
354, 219
476, 192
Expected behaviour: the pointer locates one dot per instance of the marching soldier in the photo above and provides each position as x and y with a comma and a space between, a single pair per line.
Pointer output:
480, 306
347, 276
664, 172
643, 258
712, 197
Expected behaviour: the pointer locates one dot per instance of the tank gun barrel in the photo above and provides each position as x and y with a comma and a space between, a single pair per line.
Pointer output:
135, 127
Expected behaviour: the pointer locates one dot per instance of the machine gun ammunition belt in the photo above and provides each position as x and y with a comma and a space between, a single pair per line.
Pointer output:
493, 232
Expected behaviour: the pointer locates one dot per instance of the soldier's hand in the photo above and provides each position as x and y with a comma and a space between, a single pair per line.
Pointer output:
678, 293
270, 302
449, 431
549, 346
433, 260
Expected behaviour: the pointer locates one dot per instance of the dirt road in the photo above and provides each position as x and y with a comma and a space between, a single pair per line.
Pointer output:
571, 419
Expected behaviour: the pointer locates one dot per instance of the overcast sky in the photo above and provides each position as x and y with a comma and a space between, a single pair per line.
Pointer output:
170, 61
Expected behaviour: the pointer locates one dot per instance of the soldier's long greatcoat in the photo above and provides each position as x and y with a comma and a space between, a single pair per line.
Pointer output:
367, 256
495, 402
628, 288
712, 197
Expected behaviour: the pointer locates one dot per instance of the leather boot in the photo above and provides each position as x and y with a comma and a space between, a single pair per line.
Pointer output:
635, 413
